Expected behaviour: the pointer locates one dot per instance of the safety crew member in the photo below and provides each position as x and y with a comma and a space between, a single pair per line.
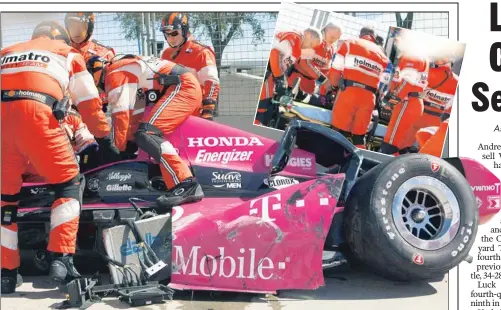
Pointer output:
314, 70
80, 27
286, 51
357, 69
35, 76
174, 94
405, 94
439, 94
201, 59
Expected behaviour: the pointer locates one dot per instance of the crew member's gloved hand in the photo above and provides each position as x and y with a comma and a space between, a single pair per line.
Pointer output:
321, 80
280, 86
104, 99
329, 99
208, 109
389, 100
107, 150
89, 158
130, 151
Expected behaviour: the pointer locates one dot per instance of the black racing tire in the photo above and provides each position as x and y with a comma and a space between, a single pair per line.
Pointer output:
374, 212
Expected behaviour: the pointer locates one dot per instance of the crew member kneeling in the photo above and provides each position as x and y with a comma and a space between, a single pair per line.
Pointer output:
405, 91
175, 95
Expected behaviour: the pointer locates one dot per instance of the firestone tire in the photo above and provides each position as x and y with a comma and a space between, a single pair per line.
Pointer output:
387, 198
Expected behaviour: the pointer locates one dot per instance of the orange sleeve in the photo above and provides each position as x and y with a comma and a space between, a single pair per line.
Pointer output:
412, 77
285, 52
276, 69
339, 58
337, 64
208, 75
85, 97
296, 48
121, 87
312, 70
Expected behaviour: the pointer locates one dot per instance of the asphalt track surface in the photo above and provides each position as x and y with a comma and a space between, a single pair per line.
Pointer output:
344, 288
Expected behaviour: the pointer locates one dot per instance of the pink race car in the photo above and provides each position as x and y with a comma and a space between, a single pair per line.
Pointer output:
276, 214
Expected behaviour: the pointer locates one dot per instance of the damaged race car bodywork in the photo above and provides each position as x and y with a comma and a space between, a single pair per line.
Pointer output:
272, 211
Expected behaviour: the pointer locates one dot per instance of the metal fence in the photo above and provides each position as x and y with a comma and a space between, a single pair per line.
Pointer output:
299, 17
243, 55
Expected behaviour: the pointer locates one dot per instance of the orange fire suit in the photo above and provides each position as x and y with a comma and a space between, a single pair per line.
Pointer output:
361, 64
438, 96
128, 80
285, 52
80, 138
409, 81
311, 70
201, 60
35, 74
435, 144
94, 48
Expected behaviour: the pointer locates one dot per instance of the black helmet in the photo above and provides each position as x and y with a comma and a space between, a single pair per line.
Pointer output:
88, 18
175, 21
51, 29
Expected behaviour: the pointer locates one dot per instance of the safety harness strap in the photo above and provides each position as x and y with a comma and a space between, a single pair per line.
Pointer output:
415, 95
351, 83
434, 105
13, 95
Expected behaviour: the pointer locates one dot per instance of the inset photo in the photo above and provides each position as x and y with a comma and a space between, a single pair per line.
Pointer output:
386, 89
416, 97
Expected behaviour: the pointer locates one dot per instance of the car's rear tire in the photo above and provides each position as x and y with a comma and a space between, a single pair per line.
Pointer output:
381, 210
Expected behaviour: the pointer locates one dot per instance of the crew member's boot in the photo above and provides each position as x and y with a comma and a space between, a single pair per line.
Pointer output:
186, 191
11, 279
62, 269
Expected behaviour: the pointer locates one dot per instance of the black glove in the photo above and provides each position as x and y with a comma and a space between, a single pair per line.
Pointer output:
208, 109
321, 79
130, 151
107, 150
280, 86
89, 158
330, 97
